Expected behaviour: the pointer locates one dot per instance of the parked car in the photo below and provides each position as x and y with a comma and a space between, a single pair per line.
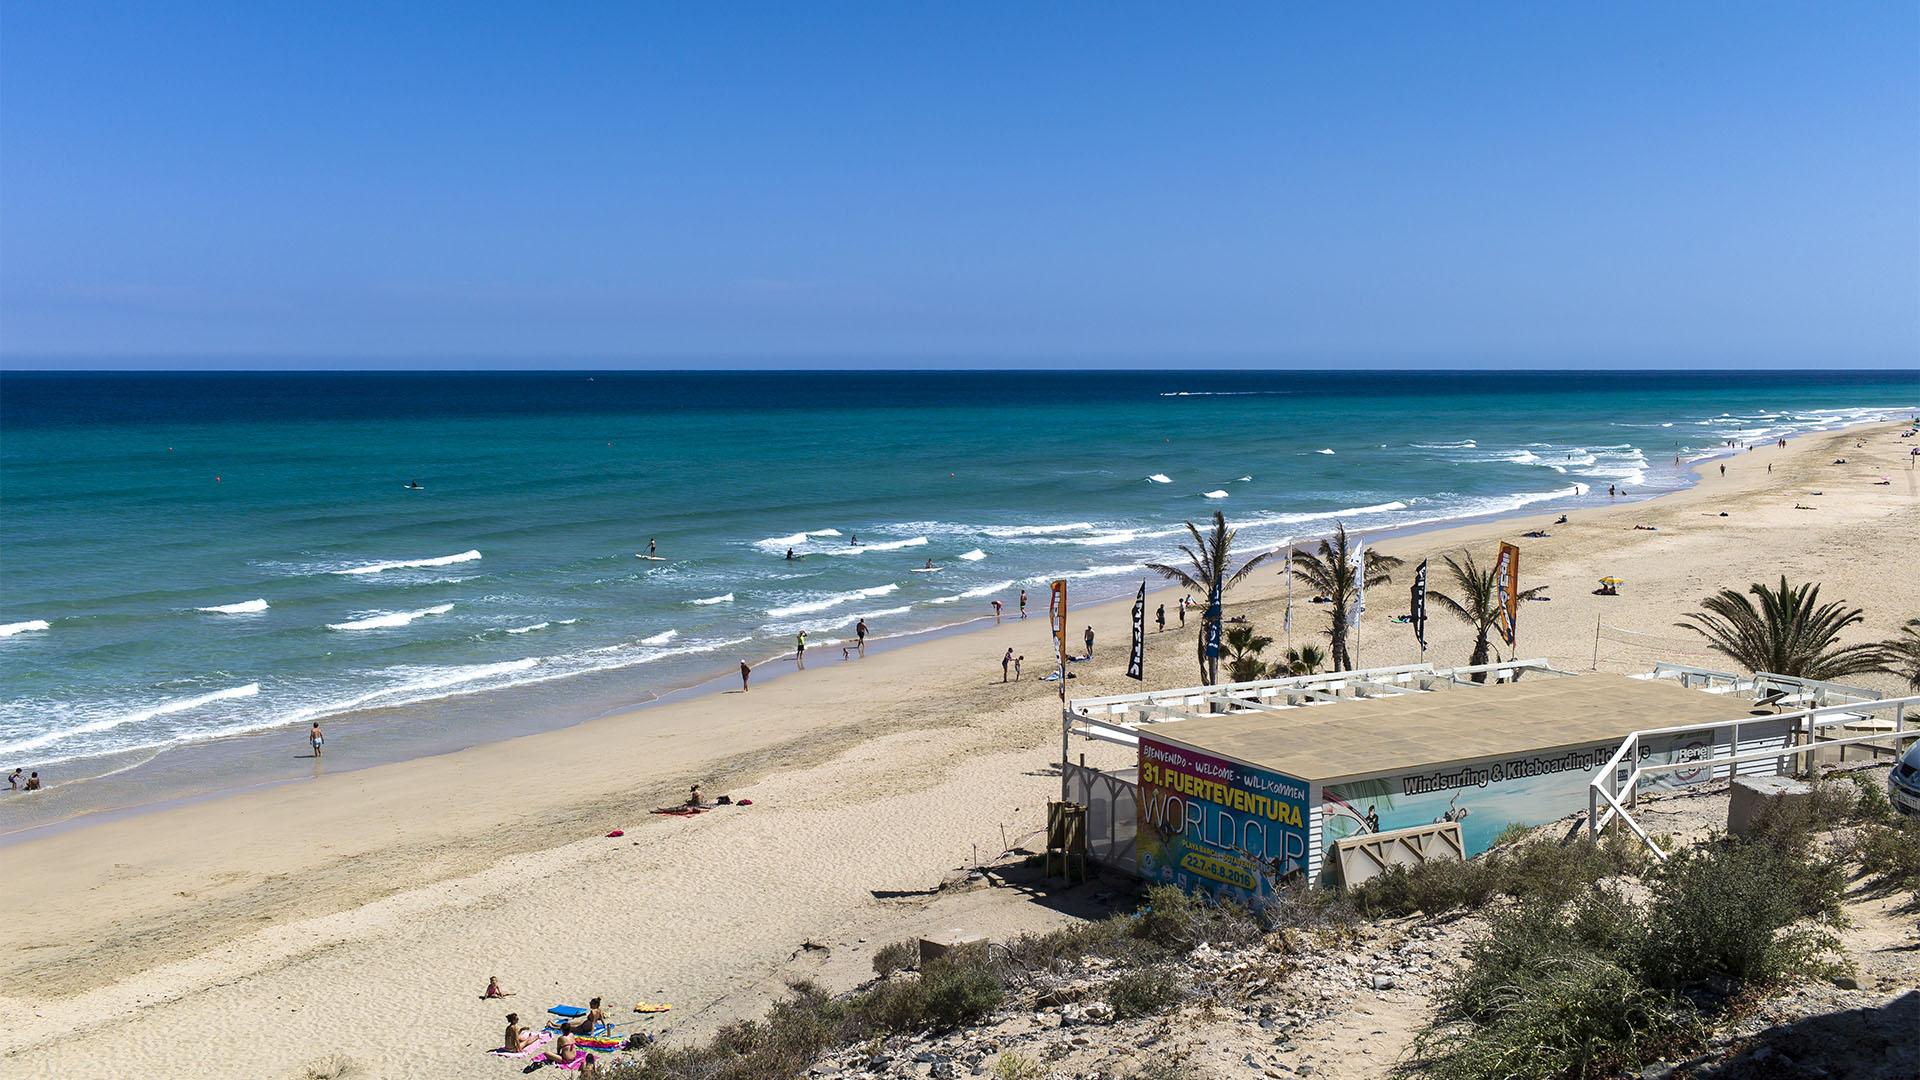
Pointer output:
1903, 783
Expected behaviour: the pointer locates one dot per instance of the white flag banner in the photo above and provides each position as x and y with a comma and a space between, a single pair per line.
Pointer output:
1286, 620
1359, 583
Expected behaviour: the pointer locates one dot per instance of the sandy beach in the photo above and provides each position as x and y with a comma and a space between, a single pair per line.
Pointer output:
356, 917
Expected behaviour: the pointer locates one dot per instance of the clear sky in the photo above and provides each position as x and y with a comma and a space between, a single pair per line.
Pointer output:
1394, 184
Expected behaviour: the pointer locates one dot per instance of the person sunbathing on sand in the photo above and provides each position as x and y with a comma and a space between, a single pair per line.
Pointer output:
693, 799
591, 1022
563, 1051
518, 1037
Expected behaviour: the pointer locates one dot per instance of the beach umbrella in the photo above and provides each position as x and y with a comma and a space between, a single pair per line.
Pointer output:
1611, 581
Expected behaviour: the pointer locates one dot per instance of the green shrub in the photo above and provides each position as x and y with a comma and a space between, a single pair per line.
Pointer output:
1873, 804
1889, 855
1012, 1065
958, 988
1174, 919
1111, 938
1432, 887
1723, 907
1563, 871
1144, 991
1512, 833
1164, 1070
898, 956
785, 1043
1577, 1014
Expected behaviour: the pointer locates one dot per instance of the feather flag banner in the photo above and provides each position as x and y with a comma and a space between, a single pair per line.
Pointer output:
1417, 613
1137, 662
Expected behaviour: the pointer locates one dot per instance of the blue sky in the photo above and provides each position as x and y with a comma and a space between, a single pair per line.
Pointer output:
1530, 185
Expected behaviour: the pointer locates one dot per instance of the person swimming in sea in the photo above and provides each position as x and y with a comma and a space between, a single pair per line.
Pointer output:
789, 553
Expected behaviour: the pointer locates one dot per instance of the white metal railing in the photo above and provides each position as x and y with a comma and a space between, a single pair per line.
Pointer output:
1115, 718
1795, 690
1801, 739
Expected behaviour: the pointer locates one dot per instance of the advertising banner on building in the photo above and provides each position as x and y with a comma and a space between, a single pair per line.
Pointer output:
1216, 826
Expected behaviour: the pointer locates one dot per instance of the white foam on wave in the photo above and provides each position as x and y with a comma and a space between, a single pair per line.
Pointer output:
528, 629
1216, 494
1321, 515
1242, 480
245, 607
660, 639
779, 543
418, 685
1464, 444
108, 723
809, 606
973, 556
388, 619
884, 545
986, 590
1105, 539
1323, 451
1160, 478
406, 564
13, 628
1099, 571
724, 598
1036, 530
1522, 457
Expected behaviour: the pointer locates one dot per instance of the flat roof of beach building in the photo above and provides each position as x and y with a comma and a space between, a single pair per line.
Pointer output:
1368, 736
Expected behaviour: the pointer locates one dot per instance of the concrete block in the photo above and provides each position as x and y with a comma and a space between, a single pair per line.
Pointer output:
943, 943
1752, 798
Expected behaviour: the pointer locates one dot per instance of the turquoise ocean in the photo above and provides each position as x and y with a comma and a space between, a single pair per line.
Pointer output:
193, 567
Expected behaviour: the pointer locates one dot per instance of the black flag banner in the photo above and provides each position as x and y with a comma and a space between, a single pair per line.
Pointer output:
1419, 611
1137, 663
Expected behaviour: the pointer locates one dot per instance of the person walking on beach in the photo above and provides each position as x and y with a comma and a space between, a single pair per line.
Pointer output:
860, 635
1006, 662
1723, 470
800, 650
1023, 603
1160, 619
996, 611
315, 738
1089, 636
744, 672
1183, 613
1016, 667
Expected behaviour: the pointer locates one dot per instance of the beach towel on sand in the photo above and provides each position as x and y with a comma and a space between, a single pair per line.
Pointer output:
534, 1049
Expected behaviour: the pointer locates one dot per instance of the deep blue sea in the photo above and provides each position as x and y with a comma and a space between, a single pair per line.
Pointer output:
193, 557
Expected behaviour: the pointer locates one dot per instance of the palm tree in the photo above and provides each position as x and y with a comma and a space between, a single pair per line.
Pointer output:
1305, 660
1208, 558
1786, 635
1903, 654
1479, 603
1243, 653
1330, 574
